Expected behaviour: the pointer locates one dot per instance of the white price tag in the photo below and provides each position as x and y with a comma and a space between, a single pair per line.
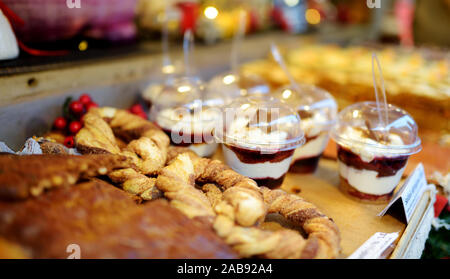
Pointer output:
409, 194
375, 246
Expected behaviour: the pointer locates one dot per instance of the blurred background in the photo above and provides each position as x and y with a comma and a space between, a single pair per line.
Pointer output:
114, 49
405, 22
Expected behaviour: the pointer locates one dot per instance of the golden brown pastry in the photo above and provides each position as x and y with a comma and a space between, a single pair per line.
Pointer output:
230, 218
323, 234
136, 183
129, 126
178, 184
146, 155
105, 223
242, 200
30, 175
49, 147
253, 241
96, 137
145, 143
213, 193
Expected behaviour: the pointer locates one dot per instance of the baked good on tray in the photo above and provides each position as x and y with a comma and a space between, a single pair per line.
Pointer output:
30, 175
174, 204
105, 223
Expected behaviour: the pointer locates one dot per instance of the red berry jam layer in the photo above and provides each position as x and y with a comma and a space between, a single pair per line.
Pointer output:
266, 169
346, 188
269, 182
384, 166
305, 165
250, 156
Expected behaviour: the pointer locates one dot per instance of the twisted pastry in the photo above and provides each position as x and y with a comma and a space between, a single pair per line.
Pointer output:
129, 126
323, 234
147, 147
253, 241
178, 184
213, 193
136, 183
96, 137
146, 155
242, 200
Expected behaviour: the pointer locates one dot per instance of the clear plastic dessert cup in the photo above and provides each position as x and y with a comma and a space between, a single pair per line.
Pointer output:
168, 74
259, 136
373, 157
317, 110
151, 92
181, 112
228, 86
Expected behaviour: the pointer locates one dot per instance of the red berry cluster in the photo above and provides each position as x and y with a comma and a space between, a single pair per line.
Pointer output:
138, 110
71, 122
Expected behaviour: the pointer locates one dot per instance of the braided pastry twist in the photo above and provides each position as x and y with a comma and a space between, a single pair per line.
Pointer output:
147, 147
96, 137
146, 155
253, 241
323, 235
131, 127
242, 200
178, 184
136, 183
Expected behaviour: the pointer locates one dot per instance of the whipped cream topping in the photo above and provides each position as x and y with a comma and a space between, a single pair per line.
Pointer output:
247, 135
366, 153
313, 125
152, 91
197, 122
204, 149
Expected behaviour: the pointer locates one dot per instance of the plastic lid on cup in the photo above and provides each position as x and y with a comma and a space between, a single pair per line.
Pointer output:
180, 107
358, 127
178, 93
317, 108
169, 73
260, 123
224, 88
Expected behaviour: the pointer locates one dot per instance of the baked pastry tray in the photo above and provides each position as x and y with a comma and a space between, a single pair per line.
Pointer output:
358, 221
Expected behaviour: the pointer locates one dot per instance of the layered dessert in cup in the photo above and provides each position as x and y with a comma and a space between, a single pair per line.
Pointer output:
317, 110
373, 157
180, 111
259, 136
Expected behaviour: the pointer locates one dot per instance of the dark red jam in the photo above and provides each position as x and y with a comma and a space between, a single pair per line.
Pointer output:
384, 166
184, 139
308, 164
250, 156
305, 165
148, 103
351, 191
269, 182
